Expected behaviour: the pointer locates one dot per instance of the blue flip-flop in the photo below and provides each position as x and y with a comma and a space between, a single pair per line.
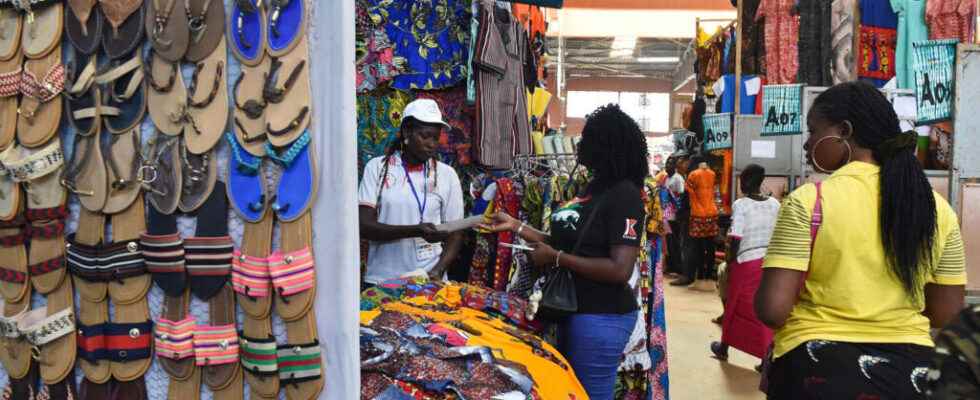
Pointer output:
245, 188
246, 28
297, 186
285, 25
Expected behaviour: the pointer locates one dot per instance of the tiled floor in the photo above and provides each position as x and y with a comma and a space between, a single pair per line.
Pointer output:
694, 375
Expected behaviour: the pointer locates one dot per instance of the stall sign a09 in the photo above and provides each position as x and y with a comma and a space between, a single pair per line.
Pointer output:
933, 62
717, 131
782, 110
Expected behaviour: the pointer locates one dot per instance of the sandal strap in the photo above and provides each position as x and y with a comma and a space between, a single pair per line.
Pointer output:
48, 266
35, 165
119, 71
289, 127
175, 339
163, 253
252, 108
288, 156
10, 83
8, 326
160, 20
244, 162
13, 240
299, 362
276, 6
259, 356
40, 329
46, 214
192, 90
148, 73
215, 345
83, 82
250, 276
47, 231
91, 342
11, 276
119, 342
208, 256
273, 94
46, 89
292, 272
246, 135
197, 23
106, 263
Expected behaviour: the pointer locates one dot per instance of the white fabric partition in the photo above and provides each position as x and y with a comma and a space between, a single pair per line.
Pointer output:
335, 227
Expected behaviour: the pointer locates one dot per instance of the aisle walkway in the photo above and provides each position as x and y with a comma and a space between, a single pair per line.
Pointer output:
694, 375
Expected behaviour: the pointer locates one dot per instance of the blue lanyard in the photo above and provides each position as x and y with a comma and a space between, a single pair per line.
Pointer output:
425, 199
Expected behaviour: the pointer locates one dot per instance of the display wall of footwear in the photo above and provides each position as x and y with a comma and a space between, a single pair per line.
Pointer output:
128, 131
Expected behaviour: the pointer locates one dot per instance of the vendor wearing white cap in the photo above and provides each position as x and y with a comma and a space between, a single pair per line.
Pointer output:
404, 195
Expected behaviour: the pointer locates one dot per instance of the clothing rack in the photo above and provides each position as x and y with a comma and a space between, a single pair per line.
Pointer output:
558, 163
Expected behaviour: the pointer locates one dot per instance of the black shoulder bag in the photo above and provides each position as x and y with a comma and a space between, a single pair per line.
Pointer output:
558, 296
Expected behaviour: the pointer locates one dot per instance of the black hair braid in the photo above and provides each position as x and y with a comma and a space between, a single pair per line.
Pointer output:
614, 148
908, 205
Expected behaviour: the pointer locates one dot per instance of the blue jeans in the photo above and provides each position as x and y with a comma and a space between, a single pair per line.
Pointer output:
593, 345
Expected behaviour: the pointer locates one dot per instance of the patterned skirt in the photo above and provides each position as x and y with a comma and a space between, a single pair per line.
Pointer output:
704, 227
821, 369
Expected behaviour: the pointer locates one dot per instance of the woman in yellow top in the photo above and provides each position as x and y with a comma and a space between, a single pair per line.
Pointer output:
887, 260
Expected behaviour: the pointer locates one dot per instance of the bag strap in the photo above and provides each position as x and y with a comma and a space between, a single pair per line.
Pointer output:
588, 223
815, 221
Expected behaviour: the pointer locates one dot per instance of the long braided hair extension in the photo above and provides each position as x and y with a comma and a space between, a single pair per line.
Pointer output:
908, 205
409, 124
614, 148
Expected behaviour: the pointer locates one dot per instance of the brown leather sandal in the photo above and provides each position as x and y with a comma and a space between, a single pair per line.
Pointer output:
207, 102
249, 113
122, 166
43, 25
288, 111
166, 94
166, 26
11, 70
93, 307
42, 82
206, 20
161, 173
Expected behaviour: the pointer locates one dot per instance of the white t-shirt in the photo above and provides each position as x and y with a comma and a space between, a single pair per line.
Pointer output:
399, 206
752, 223
676, 184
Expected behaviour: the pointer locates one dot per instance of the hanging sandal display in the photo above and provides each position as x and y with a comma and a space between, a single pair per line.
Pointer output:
43, 26
206, 21
123, 34
166, 94
166, 26
285, 26
288, 96
208, 102
84, 25
11, 68
42, 82
82, 255
200, 173
161, 173
247, 30
249, 113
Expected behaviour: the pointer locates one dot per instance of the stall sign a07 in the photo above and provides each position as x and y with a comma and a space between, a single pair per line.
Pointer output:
717, 131
782, 110
933, 62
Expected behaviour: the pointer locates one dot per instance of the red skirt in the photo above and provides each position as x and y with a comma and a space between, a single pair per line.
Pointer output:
741, 329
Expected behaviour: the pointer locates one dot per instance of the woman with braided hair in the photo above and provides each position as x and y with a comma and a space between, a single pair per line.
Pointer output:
403, 195
860, 266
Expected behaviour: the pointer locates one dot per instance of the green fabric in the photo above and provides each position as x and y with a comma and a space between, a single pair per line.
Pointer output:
911, 28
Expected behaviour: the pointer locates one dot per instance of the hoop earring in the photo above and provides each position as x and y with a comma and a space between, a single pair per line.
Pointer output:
817, 145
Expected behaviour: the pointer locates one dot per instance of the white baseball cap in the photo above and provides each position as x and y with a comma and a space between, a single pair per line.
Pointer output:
424, 110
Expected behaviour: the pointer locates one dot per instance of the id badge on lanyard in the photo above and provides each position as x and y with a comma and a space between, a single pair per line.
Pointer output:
424, 250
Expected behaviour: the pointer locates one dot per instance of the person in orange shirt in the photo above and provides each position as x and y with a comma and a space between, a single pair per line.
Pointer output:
704, 222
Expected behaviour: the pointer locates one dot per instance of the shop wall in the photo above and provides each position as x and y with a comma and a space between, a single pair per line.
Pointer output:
336, 243
556, 110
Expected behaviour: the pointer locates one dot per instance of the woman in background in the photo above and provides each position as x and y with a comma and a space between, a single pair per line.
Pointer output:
753, 218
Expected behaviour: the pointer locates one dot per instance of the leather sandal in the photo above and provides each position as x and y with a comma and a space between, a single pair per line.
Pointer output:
51, 332
128, 290
14, 284
10, 31
15, 354
124, 32
250, 274
161, 174
207, 100
206, 20
166, 94
299, 359
11, 70
37, 172
249, 112
46, 259
200, 172
123, 97
42, 82
163, 250
246, 28
84, 25
246, 182
285, 26
14, 349
93, 307
166, 26
288, 97
43, 26
174, 343
86, 174
298, 184
122, 166
10, 193
82, 97
259, 358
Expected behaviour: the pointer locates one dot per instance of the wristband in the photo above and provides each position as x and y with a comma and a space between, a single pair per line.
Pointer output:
521, 228
558, 259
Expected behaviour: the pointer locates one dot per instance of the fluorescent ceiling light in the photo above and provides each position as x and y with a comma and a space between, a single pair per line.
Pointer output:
622, 46
656, 60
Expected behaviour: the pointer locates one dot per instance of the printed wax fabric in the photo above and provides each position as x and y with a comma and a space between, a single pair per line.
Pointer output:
842, 36
431, 36
878, 40
379, 115
782, 34
815, 47
444, 349
951, 19
456, 142
753, 41
375, 53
